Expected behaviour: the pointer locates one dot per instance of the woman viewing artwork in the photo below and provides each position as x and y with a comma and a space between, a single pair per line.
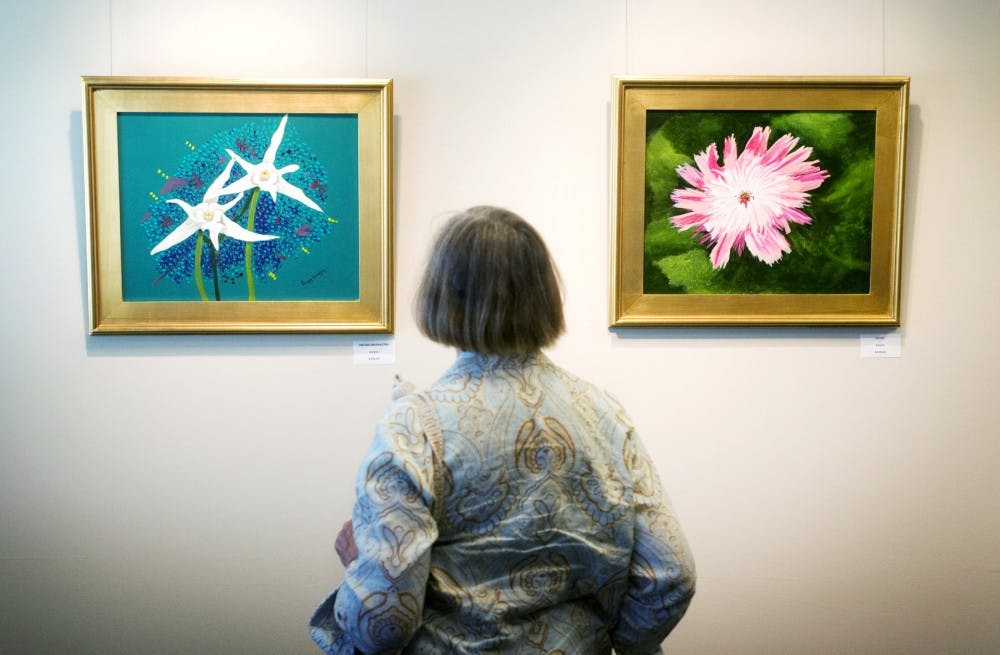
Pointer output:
510, 507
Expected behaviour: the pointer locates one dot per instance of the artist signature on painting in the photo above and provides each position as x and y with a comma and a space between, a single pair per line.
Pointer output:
309, 280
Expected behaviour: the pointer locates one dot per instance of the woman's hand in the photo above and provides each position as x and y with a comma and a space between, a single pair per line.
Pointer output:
347, 550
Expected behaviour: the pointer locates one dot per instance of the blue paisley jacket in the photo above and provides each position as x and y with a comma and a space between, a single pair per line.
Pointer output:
537, 525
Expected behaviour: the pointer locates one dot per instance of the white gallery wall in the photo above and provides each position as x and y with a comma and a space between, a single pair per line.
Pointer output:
180, 494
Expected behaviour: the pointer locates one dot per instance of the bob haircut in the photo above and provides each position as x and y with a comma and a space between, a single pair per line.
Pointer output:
490, 286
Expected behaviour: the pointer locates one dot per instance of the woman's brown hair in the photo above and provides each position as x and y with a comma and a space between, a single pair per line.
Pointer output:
490, 286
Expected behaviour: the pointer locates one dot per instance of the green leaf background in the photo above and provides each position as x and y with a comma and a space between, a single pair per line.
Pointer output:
833, 255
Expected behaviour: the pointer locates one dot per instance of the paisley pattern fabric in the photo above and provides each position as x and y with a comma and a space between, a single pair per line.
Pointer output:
552, 533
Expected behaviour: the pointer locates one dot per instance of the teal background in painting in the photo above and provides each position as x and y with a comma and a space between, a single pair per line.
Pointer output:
152, 142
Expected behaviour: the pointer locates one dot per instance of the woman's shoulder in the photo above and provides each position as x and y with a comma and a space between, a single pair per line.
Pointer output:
406, 406
580, 385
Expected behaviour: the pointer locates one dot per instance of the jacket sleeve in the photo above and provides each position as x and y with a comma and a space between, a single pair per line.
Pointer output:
661, 577
378, 606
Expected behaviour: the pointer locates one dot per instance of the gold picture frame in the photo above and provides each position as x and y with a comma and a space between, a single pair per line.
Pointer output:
223, 205
808, 226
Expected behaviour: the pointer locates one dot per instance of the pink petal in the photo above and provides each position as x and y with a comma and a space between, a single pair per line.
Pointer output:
768, 246
757, 144
779, 149
691, 175
685, 221
790, 161
720, 253
797, 216
729, 151
708, 161
688, 198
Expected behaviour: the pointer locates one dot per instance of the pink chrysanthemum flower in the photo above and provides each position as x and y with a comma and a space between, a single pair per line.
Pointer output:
750, 199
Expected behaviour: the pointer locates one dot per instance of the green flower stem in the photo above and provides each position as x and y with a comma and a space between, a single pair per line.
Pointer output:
198, 281
215, 272
243, 208
248, 246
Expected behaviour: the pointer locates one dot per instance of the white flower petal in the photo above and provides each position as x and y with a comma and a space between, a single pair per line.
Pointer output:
244, 164
272, 149
234, 230
295, 193
182, 232
215, 188
240, 185
213, 233
226, 207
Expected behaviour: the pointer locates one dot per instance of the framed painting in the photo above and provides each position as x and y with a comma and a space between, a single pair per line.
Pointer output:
757, 201
238, 206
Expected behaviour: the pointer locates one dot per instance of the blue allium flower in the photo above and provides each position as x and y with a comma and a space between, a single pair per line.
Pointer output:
291, 224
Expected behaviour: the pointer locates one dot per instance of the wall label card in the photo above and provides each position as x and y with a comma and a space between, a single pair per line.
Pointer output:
881, 345
374, 351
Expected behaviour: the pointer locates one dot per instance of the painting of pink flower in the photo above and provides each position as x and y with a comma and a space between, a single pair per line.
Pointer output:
751, 200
